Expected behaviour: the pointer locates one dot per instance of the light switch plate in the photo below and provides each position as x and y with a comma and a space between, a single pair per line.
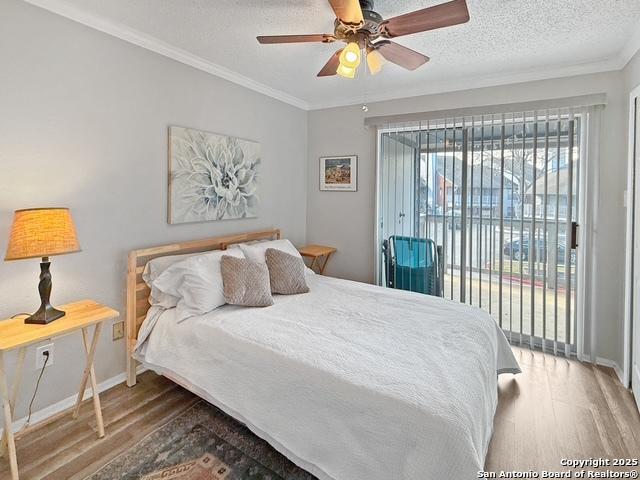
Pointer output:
118, 330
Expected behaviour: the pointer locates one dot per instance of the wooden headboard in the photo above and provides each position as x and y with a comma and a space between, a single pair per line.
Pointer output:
138, 291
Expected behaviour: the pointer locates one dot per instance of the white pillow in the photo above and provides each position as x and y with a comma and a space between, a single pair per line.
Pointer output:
256, 252
153, 269
196, 282
236, 246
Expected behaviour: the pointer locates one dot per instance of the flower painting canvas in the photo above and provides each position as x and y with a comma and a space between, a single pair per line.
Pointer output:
211, 176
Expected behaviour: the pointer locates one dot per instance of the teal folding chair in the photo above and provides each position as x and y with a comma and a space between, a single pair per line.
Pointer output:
413, 264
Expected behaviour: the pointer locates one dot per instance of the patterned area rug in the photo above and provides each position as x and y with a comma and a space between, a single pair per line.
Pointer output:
201, 444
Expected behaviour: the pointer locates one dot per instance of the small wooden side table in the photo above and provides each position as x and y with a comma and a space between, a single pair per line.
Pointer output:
15, 334
319, 255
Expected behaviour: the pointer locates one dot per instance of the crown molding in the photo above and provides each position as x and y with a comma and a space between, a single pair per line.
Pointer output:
504, 78
148, 42
632, 46
156, 45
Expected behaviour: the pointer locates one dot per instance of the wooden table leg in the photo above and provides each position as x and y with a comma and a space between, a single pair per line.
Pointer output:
8, 426
319, 262
313, 263
14, 394
89, 374
321, 265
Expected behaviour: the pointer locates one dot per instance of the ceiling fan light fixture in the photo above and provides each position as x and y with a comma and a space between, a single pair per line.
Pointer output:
346, 72
359, 26
350, 56
375, 61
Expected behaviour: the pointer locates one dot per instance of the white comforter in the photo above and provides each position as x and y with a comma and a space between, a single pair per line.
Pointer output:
350, 381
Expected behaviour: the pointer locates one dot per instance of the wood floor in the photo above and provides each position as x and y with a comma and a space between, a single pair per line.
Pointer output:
556, 409
559, 408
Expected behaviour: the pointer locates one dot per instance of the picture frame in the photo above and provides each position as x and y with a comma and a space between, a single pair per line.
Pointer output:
339, 173
212, 176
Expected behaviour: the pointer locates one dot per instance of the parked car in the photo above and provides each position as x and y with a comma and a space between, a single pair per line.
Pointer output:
520, 250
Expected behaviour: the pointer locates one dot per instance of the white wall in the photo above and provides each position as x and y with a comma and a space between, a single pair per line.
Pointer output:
346, 220
83, 124
631, 73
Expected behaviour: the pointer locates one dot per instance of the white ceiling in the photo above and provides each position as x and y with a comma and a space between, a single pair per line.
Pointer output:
505, 41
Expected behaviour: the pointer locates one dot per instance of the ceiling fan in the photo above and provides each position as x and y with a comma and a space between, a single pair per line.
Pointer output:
364, 30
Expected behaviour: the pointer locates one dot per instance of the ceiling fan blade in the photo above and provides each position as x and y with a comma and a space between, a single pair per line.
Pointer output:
332, 65
444, 15
348, 11
320, 38
403, 56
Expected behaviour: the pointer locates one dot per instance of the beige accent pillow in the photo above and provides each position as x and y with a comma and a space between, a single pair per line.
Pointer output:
245, 283
286, 272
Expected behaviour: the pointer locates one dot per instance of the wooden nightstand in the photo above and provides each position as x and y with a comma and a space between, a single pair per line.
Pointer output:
15, 334
317, 253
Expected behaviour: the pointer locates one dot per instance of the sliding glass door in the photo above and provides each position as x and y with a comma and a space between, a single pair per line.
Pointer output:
496, 197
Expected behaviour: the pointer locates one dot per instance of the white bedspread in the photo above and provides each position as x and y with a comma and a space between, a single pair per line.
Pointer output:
350, 381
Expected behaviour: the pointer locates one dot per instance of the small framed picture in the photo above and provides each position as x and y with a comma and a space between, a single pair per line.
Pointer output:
339, 174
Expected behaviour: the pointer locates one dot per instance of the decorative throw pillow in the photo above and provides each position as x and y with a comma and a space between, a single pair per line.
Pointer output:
245, 283
286, 272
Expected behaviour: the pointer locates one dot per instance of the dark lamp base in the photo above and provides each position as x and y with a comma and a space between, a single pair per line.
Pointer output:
45, 315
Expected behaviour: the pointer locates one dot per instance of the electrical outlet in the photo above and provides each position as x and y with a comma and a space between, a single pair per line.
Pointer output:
118, 331
40, 355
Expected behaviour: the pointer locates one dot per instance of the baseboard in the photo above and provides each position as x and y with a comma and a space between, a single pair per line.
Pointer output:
605, 362
67, 403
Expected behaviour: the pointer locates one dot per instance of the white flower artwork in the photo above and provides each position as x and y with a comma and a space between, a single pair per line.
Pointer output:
211, 176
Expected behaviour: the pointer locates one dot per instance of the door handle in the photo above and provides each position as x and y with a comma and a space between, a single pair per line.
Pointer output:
574, 235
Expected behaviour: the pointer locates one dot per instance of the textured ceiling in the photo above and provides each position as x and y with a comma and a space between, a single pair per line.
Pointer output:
505, 40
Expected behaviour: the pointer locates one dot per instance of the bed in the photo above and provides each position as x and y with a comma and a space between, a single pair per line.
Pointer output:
350, 381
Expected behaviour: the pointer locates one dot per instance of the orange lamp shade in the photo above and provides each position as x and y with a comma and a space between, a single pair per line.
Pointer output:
42, 232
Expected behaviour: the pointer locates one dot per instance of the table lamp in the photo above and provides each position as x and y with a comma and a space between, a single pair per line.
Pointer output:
42, 232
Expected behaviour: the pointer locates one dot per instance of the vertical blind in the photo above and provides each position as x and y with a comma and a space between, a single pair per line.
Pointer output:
498, 195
